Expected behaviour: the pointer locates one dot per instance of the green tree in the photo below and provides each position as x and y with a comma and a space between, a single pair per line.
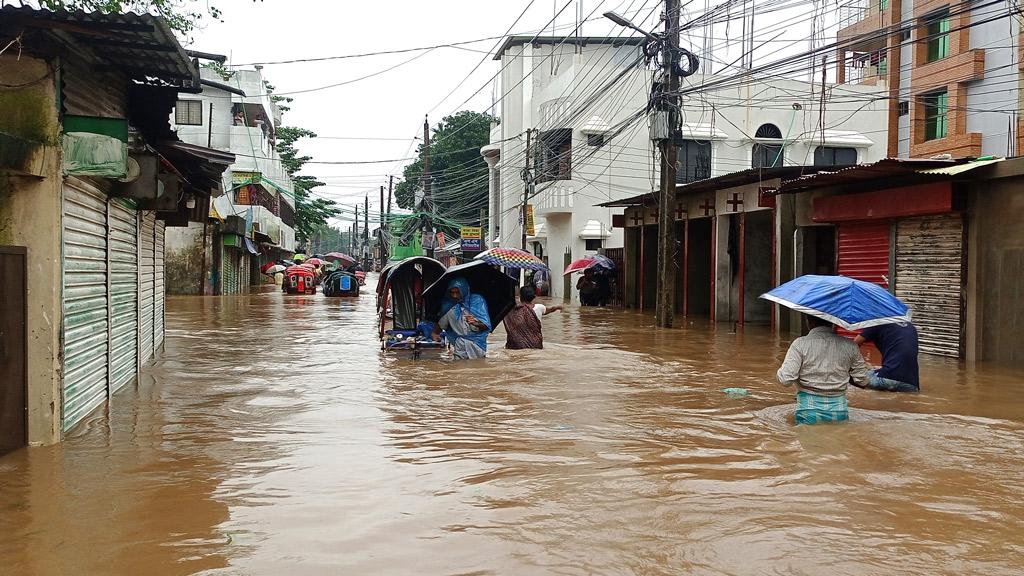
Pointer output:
181, 15
311, 213
458, 172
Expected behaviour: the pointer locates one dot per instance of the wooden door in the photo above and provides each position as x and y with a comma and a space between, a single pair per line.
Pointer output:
13, 350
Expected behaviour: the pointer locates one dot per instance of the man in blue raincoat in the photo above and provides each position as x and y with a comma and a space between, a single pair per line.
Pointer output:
465, 318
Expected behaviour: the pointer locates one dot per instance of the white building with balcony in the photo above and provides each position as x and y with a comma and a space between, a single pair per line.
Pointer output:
584, 101
255, 217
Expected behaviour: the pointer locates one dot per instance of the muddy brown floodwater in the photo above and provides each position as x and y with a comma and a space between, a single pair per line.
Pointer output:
272, 437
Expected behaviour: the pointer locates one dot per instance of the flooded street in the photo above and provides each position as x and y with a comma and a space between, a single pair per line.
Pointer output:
272, 437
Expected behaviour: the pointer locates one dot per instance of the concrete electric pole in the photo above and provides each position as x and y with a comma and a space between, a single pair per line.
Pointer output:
527, 186
665, 308
428, 221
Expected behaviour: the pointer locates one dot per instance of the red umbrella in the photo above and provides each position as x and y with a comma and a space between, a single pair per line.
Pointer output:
344, 259
267, 266
315, 262
579, 265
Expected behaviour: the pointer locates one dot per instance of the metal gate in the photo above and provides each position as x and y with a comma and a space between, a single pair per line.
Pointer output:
159, 292
147, 223
929, 276
567, 280
85, 327
617, 255
863, 251
229, 271
123, 263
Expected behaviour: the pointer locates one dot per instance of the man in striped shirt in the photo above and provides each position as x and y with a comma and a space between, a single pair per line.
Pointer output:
821, 365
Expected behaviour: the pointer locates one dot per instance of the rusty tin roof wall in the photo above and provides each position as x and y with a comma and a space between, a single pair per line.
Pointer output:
142, 45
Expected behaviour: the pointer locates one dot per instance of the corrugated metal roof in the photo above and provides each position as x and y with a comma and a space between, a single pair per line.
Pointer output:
885, 168
730, 180
961, 168
141, 45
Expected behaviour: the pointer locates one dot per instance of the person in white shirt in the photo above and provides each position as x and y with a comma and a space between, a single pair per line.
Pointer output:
821, 365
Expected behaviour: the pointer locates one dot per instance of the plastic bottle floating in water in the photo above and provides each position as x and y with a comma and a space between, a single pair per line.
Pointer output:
735, 391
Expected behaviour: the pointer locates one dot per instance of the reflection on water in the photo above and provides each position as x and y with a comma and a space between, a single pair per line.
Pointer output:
273, 438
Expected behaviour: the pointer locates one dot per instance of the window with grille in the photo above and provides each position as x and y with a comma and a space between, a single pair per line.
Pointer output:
693, 161
594, 244
935, 115
938, 37
596, 140
188, 113
767, 155
834, 156
903, 108
553, 157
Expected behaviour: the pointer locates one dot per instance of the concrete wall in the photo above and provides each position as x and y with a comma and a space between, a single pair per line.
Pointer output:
184, 250
995, 315
30, 216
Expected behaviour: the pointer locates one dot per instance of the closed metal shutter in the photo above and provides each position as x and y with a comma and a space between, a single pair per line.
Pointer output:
147, 222
229, 271
929, 276
159, 292
84, 300
864, 251
122, 235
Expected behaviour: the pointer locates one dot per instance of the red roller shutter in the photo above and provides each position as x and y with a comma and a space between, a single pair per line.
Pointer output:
863, 251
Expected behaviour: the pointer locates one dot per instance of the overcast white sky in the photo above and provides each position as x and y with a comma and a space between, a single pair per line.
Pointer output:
389, 107
393, 104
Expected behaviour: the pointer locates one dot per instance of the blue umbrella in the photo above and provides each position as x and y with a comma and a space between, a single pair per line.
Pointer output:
845, 302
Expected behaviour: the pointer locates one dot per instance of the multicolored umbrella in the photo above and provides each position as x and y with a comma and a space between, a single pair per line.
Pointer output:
273, 269
845, 302
511, 258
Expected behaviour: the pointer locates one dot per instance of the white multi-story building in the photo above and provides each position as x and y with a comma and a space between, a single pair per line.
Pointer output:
584, 101
256, 214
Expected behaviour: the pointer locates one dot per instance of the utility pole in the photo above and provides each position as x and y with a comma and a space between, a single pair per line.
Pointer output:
428, 221
666, 288
387, 229
380, 231
366, 231
527, 186
355, 234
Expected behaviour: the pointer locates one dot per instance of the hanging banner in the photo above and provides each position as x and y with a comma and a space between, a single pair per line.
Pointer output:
530, 231
441, 242
471, 236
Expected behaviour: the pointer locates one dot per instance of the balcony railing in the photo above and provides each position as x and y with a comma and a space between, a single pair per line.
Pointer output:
555, 198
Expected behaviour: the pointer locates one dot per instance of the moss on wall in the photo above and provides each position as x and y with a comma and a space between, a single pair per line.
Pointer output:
29, 115
184, 269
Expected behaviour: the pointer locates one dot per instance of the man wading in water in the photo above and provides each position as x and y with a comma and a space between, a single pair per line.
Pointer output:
523, 323
822, 364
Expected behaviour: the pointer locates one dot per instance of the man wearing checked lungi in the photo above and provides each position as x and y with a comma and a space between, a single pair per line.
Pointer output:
822, 364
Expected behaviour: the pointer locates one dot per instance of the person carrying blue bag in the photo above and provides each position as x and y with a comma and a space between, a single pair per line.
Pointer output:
466, 320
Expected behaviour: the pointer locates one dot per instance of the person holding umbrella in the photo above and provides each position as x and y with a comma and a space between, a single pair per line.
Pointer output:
822, 364
465, 318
